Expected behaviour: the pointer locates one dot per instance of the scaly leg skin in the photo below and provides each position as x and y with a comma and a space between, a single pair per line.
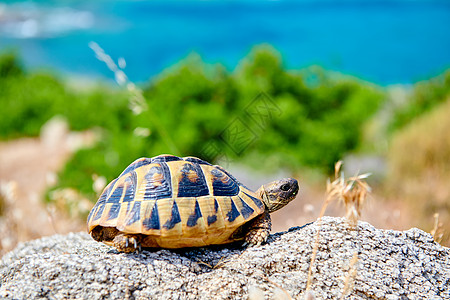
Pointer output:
259, 230
127, 243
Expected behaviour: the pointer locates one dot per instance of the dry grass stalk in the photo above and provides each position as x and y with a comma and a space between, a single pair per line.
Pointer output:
352, 193
137, 102
309, 296
51, 211
350, 279
328, 199
316, 242
222, 262
438, 231
279, 292
10, 231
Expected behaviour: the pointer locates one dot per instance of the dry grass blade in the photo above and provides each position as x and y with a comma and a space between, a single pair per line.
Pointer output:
337, 169
349, 280
352, 192
279, 292
137, 102
222, 262
331, 194
10, 219
437, 232
204, 263
309, 296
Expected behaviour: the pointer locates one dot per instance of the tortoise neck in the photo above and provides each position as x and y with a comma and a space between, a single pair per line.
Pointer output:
262, 194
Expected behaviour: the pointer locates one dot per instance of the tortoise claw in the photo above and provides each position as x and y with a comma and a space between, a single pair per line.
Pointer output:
126, 243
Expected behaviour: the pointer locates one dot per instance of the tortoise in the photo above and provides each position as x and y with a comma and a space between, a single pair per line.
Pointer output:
172, 202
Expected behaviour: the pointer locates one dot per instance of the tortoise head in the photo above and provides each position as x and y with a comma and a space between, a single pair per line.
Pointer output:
277, 194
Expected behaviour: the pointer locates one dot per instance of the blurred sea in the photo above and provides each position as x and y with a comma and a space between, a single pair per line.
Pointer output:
386, 42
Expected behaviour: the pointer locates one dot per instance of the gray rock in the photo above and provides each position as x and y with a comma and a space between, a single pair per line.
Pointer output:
390, 265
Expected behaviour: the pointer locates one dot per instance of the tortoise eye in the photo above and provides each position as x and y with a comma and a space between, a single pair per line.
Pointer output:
285, 187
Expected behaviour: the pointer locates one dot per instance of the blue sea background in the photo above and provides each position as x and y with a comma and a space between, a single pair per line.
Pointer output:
386, 42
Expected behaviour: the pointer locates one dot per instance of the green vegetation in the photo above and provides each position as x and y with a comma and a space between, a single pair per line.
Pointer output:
425, 96
30, 100
260, 111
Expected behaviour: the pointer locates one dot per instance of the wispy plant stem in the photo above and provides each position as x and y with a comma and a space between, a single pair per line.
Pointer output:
137, 101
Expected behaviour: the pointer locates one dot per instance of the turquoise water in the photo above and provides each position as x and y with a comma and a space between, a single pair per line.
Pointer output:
385, 42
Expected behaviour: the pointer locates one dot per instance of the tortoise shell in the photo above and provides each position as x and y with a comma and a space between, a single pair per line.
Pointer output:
176, 202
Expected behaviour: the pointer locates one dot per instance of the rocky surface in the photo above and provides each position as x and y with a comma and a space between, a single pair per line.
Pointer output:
390, 265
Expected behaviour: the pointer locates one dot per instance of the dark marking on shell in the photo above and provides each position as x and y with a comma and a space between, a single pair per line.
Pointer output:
158, 184
216, 205
103, 197
131, 182
175, 217
216, 173
164, 158
106, 192
134, 214
223, 185
114, 211
133, 178
90, 215
213, 218
128, 207
246, 210
233, 213
197, 161
192, 221
129, 194
116, 195
231, 176
100, 209
152, 222
257, 201
187, 187
136, 164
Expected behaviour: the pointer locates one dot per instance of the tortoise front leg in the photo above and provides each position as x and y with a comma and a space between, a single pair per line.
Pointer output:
127, 242
259, 230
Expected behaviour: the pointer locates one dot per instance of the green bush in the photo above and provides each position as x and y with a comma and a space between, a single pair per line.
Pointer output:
318, 122
284, 118
9, 66
30, 100
27, 103
425, 96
